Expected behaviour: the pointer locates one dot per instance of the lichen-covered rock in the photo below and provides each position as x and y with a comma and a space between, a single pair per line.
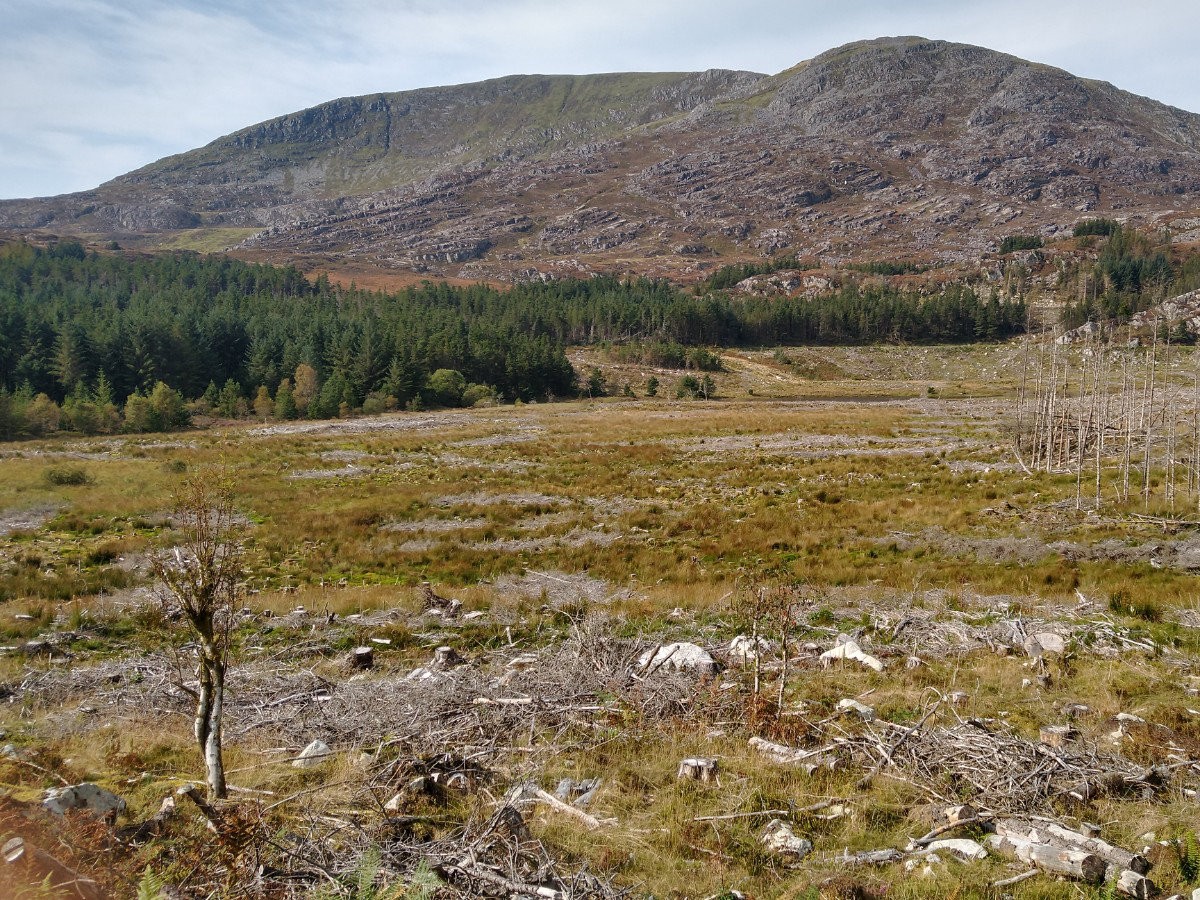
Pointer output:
86, 796
312, 755
681, 656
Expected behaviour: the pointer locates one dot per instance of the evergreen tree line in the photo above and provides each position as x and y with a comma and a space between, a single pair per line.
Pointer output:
87, 333
1134, 271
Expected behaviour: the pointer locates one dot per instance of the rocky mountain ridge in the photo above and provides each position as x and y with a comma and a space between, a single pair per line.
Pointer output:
898, 147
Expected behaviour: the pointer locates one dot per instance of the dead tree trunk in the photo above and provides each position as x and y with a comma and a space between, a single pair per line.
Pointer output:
1078, 864
203, 579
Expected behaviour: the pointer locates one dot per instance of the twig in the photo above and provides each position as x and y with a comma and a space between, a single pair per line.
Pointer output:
748, 815
554, 803
12, 757
1016, 879
950, 826
310, 790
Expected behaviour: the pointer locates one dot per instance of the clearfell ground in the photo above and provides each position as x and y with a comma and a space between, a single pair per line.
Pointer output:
826, 498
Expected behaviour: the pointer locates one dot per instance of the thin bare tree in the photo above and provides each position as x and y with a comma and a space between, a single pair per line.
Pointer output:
202, 577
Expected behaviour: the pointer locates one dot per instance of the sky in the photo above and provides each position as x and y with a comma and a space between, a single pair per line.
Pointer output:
91, 89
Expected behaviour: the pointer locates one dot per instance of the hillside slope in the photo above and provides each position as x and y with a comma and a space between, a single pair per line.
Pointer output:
897, 146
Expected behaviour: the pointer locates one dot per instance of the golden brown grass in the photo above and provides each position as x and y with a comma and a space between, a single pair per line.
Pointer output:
673, 504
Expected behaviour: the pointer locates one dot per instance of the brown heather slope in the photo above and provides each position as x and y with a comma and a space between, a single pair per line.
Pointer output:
898, 147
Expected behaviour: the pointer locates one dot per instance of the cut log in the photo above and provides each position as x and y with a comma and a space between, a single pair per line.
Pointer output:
870, 857
964, 848
153, 826
809, 760
956, 815
779, 838
697, 768
851, 650
1135, 884
1053, 833
590, 821
1077, 864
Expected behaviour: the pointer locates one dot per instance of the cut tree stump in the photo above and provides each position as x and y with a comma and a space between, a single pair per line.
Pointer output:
362, 658
697, 768
1056, 736
446, 658
809, 760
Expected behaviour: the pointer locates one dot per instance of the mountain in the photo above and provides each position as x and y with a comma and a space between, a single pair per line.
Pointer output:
896, 147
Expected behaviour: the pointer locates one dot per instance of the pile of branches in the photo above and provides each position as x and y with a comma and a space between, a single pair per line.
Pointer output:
498, 857
991, 766
584, 684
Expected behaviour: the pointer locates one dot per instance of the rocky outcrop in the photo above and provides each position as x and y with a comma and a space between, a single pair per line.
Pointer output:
894, 147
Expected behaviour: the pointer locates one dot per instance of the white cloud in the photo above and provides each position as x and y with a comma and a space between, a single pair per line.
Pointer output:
94, 88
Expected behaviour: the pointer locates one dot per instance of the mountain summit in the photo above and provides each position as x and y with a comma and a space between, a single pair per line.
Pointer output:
896, 146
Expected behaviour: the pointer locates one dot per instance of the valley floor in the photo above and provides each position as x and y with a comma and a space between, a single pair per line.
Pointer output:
825, 499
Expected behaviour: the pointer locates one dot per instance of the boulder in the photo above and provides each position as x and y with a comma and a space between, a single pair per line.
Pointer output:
1045, 643
864, 712
679, 657
312, 755
86, 796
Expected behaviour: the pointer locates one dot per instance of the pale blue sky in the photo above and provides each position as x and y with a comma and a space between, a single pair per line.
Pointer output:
90, 89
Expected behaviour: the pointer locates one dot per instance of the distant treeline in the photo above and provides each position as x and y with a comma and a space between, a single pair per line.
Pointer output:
82, 334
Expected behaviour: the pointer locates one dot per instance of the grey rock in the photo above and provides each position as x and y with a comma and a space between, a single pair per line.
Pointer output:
85, 796
312, 755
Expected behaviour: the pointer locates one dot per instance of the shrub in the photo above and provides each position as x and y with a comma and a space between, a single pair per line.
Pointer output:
479, 395
446, 387
1020, 242
1101, 227
1122, 603
67, 476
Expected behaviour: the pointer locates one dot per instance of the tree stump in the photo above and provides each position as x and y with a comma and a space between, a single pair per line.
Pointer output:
697, 768
362, 658
1056, 736
954, 815
446, 658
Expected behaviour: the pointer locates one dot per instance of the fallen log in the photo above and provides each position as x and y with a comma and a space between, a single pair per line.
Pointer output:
870, 857
809, 760
1077, 864
588, 820
1053, 833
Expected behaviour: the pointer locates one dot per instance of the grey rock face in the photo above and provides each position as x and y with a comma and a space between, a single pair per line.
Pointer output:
899, 146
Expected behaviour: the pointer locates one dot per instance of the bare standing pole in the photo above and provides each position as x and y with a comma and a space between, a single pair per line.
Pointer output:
1148, 415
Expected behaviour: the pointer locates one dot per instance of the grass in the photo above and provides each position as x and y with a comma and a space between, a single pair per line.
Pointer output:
205, 240
675, 509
